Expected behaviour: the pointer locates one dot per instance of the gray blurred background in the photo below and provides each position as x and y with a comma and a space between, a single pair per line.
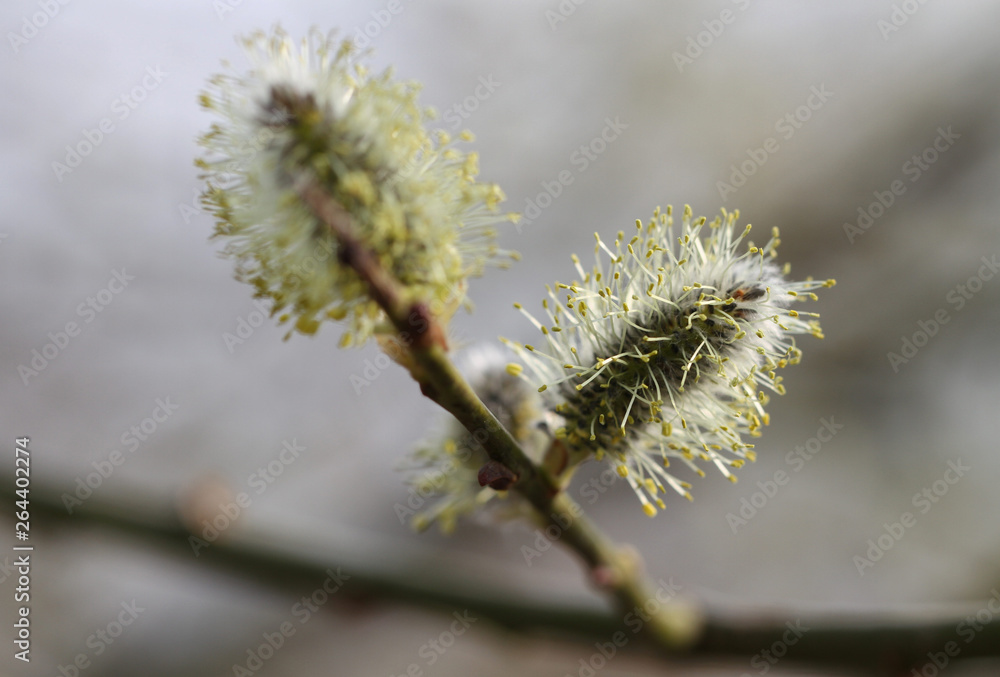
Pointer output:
699, 89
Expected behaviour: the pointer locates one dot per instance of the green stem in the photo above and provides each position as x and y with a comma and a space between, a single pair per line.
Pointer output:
428, 362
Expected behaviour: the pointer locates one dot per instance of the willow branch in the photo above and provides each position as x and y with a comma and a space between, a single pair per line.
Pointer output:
439, 380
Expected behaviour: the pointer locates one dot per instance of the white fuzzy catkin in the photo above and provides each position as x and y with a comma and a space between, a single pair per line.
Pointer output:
664, 349
307, 113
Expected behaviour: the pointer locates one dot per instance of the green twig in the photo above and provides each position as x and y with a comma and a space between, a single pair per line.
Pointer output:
428, 362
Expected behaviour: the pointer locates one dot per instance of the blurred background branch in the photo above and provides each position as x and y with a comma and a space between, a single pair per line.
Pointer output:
887, 643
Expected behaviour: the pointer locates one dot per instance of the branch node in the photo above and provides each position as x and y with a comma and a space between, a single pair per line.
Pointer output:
497, 476
427, 331
605, 577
